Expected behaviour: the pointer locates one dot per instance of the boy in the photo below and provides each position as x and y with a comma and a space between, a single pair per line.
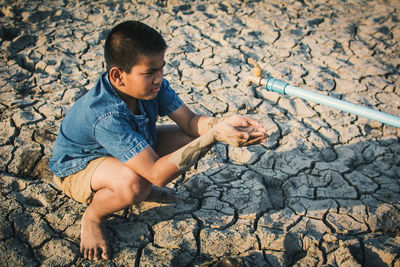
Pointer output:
109, 151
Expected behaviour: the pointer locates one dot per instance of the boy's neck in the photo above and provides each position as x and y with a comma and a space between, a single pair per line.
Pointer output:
133, 103
129, 100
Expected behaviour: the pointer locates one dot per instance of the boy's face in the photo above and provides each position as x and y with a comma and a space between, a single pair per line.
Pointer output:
144, 80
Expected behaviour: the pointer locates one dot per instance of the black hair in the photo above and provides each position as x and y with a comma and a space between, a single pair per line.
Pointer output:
129, 40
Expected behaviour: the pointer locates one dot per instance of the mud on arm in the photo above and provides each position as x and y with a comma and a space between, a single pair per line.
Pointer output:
185, 157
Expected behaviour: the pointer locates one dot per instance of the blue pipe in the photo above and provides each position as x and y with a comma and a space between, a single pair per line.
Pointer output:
284, 88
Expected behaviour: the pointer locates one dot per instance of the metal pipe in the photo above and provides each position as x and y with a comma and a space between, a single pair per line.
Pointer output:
284, 88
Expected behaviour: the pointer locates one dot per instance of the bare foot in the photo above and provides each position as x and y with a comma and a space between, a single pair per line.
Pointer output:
93, 243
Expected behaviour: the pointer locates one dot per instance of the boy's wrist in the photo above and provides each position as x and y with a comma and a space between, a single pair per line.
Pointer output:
215, 135
218, 132
213, 122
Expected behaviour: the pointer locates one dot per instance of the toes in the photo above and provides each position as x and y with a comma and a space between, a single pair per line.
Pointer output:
105, 254
96, 254
84, 253
90, 254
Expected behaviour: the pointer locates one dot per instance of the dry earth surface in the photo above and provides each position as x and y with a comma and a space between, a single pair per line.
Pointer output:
323, 191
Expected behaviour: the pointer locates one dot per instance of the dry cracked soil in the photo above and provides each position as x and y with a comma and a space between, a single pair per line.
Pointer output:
324, 190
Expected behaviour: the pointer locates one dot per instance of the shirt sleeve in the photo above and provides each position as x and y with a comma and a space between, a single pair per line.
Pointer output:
169, 101
116, 135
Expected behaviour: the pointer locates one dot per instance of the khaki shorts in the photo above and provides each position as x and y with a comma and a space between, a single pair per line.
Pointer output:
77, 186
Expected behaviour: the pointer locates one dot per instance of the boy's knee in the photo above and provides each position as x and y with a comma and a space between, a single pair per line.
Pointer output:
135, 188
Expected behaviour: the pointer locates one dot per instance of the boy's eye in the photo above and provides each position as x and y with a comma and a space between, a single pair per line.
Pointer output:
154, 71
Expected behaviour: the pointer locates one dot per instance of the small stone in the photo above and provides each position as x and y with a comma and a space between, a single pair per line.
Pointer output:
8, 11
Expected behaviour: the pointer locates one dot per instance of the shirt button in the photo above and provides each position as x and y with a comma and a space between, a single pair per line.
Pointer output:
146, 120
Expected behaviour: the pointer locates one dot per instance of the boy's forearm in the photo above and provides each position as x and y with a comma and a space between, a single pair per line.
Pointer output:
235, 131
187, 156
184, 158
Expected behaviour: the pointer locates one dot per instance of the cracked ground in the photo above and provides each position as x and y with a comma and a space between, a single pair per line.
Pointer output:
324, 190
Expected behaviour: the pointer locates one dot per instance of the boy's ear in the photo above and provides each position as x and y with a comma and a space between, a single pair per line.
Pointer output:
115, 75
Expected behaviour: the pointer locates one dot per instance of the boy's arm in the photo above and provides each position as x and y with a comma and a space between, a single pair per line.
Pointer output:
192, 124
196, 125
236, 131
161, 171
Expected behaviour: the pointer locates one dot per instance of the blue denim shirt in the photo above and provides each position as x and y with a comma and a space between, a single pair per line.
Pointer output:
100, 124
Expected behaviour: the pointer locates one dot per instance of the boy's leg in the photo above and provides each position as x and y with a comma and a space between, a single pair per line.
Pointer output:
118, 187
170, 139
